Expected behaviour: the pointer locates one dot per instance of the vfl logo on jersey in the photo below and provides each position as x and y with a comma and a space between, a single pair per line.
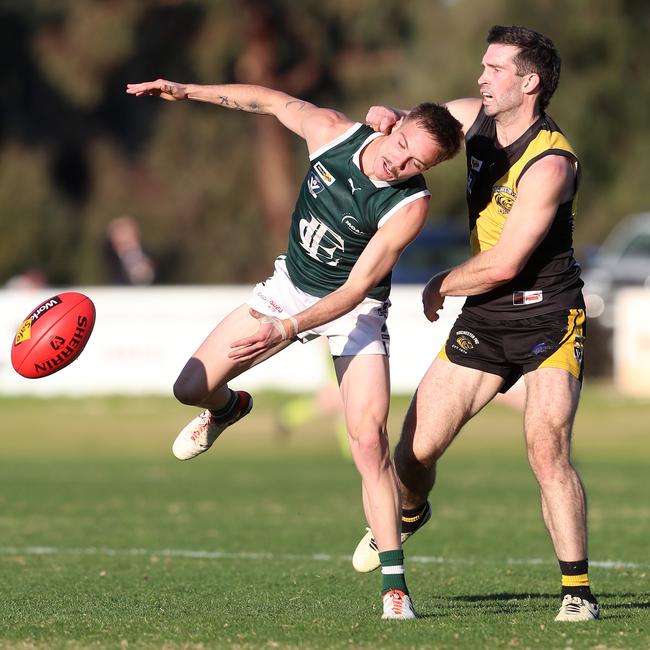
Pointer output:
320, 242
354, 189
349, 221
504, 197
327, 178
474, 168
314, 185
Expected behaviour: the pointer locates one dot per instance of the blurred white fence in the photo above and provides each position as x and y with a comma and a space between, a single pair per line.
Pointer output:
632, 341
143, 336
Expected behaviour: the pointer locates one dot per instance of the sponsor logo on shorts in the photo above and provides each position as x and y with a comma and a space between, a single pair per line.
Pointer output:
274, 306
465, 341
527, 297
579, 347
540, 348
349, 221
314, 185
504, 197
268, 302
327, 178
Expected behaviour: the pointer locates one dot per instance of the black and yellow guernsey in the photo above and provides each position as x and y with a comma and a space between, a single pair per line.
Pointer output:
550, 280
337, 212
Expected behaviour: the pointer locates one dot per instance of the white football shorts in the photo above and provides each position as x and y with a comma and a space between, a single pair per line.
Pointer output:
361, 331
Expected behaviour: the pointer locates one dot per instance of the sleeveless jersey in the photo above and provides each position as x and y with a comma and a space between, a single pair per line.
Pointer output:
550, 280
337, 212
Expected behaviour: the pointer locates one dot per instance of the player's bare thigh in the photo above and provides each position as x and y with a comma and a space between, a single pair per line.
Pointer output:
365, 389
210, 367
447, 397
552, 400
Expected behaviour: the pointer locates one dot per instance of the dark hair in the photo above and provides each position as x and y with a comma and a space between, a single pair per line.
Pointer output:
441, 125
537, 54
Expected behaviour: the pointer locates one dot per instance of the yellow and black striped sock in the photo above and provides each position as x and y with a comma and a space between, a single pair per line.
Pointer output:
575, 580
412, 518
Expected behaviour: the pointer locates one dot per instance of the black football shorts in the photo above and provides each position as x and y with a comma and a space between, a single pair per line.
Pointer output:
511, 348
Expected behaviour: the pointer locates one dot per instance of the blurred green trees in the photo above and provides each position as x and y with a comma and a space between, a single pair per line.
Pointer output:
213, 189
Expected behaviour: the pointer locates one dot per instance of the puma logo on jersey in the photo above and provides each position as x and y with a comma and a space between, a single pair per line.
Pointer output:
327, 178
354, 189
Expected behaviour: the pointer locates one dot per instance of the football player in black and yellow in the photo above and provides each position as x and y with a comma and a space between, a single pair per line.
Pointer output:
524, 313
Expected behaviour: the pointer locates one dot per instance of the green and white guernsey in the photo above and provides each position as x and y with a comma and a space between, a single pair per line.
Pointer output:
338, 210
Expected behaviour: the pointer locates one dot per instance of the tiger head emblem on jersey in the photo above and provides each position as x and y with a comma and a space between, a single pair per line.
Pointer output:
504, 197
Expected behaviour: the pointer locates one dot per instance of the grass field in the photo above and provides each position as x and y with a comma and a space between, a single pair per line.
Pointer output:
106, 541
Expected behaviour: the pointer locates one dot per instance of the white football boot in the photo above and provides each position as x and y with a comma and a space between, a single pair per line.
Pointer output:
366, 555
203, 430
574, 608
397, 605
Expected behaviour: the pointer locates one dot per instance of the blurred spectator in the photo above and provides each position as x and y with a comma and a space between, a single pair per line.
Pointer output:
33, 278
126, 261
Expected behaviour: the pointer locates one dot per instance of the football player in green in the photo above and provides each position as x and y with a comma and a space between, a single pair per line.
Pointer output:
362, 201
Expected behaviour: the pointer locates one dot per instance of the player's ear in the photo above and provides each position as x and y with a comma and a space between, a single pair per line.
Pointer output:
399, 122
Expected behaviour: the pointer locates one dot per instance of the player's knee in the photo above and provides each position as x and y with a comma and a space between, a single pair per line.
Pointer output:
548, 462
188, 391
368, 438
407, 457
191, 386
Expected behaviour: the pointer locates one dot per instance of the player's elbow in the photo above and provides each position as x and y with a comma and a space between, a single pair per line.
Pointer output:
504, 271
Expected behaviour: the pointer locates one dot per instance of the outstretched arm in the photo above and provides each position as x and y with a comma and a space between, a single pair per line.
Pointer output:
316, 125
376, 261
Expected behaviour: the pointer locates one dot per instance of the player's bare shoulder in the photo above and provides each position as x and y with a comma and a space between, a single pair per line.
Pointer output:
556, 174
322, 125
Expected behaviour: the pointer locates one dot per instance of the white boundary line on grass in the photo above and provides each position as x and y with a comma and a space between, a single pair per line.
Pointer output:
316, 557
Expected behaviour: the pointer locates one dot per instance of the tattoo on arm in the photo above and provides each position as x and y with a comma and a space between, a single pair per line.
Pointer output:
299, 102
252, 107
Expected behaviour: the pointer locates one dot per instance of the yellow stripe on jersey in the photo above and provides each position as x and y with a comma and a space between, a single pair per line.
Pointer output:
492, 218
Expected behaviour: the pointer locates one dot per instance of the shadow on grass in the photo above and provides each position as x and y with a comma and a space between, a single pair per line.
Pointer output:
526, 602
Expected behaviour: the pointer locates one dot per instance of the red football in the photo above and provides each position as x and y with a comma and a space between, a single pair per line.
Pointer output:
53, 335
